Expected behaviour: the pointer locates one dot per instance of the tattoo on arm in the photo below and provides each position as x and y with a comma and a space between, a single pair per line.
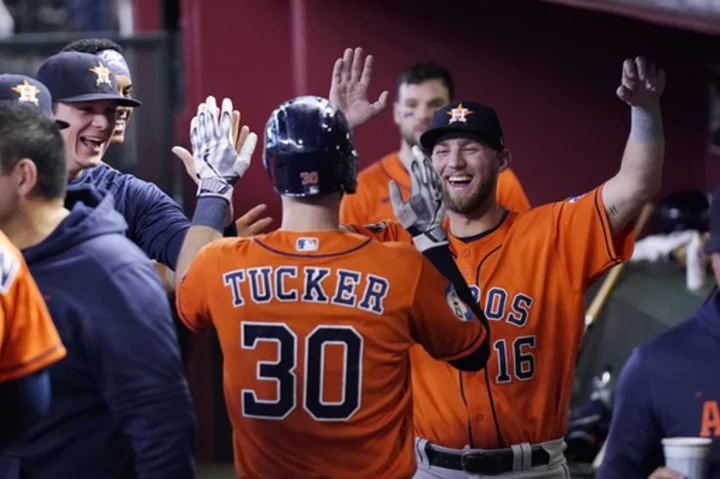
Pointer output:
612, 210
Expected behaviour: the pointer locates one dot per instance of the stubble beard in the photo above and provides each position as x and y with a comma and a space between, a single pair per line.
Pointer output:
474, 204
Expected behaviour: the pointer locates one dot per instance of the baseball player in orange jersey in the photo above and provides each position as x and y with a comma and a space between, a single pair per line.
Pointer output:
529, 271
29, 343
315, 324
422, 88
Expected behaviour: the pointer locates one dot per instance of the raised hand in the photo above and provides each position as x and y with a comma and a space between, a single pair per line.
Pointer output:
187, 158
349, 88
641, 84
423, 213
217, 162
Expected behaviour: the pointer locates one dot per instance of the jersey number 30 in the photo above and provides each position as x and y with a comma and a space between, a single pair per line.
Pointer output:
282, 371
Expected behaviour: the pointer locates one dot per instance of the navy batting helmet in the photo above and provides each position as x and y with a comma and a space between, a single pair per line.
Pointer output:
309, 149
682, 210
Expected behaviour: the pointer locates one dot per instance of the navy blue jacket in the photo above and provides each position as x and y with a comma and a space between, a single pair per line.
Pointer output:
155, 222
669, 387
121, 406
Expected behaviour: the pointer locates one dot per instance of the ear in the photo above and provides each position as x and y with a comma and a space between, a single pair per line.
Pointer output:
25, 176
396, 113
505, 158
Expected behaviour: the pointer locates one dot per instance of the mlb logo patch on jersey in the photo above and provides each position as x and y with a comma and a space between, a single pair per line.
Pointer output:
9, 267
307, 244
457, 306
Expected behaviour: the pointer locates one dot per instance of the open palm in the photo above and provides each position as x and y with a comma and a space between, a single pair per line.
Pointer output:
349, 88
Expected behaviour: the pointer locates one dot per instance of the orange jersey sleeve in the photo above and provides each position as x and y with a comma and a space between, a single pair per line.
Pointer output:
584, 242
30, 341
510, 193
443, 324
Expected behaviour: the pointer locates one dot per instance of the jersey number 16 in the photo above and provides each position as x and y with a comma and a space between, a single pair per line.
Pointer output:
523, 361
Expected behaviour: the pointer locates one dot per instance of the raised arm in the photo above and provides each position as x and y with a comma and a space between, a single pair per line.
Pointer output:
219, 161
639, 178
156, 222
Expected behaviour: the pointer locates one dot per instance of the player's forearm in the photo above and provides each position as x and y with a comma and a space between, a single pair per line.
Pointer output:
174, 246
442, 259
640, 175
208, 224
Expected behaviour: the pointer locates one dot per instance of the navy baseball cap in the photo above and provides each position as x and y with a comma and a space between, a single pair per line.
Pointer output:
25, 89
467, 118
74, 77
713, 243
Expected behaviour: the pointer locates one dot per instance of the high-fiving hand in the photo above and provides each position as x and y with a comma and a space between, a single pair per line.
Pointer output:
423, 213
218, 159
187, 158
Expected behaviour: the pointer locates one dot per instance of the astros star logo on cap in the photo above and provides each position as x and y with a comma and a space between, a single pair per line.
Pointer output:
28, 92
103, 74
458, 114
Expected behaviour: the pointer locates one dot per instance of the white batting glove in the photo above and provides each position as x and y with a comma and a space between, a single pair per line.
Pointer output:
217, 163
423, 214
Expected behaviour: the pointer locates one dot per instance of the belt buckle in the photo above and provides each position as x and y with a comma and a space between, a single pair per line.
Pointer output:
479, 462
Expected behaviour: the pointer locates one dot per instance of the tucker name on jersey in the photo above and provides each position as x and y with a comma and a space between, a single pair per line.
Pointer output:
265, 284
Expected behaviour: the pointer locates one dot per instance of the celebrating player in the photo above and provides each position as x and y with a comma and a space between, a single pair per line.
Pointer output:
80, 84
422, 88
530, 271
121, 406
315, 324
111, 54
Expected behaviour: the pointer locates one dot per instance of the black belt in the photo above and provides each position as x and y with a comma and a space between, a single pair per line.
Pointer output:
489, 463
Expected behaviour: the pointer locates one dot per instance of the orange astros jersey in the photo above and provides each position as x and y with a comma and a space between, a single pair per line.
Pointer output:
531, 273
315, 330
28, 339
371, 203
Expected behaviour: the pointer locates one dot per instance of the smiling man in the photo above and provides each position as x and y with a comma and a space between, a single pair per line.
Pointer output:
422, 89
529, 271
84, 92
112, 56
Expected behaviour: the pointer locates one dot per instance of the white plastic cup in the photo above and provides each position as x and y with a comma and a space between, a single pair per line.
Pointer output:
687, 455
694, 264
